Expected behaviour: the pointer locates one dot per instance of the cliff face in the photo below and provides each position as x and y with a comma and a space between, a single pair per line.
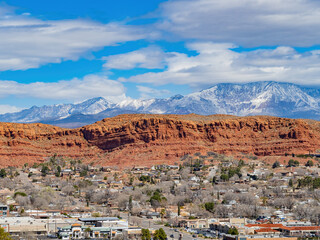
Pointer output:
129, 140
21, 143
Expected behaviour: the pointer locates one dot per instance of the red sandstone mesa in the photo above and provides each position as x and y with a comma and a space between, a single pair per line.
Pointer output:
128, 140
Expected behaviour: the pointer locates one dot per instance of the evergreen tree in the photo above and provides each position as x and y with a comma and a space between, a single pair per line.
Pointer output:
224, 177
3, 173
44, 170
160, 235
214, 180
83, 173
241, 163
4, 235
145, 234
309, 163
276, 164
290, 183
233, 231
209, 206
293, 163
162, 213
58, 172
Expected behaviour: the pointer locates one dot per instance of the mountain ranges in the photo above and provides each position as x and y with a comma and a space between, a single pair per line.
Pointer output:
258, 98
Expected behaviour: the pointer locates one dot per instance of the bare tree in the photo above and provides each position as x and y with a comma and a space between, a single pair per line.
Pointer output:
222, 211
266, 192
184, 173
101, 197
39, 202
155, 204
61, 203
316, 195
247, 198
68, 189
123, 201
249, 211
22, 201
284, 203
198, 211
136, 221
302, 212
278, 192
135, 211
7, 183
230, 197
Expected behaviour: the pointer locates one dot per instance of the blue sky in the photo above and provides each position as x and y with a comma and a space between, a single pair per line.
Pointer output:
69, 51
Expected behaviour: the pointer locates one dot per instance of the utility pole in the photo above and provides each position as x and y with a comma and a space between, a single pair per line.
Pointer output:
128, 217
180, 236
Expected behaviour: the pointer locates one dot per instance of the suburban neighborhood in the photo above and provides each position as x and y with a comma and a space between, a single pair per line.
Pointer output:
204, 196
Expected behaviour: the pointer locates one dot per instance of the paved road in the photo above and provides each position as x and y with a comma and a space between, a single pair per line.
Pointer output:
149, 223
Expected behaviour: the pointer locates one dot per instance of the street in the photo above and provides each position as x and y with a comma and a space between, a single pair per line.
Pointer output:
149, 223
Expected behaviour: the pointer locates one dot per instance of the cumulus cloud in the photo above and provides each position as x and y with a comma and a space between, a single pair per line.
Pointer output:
149, 58
216, 63
147, 92
9, 109
244, 22
75, 90
27, 42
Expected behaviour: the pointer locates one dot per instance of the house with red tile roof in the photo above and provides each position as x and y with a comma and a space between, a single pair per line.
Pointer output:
300, 231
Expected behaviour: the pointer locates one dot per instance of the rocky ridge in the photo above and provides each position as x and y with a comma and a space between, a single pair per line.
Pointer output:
146, 139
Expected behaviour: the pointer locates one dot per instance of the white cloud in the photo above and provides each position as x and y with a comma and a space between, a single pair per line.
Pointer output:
149, 58
9, 109
147, 92
244, 22
216, 63
27, 42
75, 90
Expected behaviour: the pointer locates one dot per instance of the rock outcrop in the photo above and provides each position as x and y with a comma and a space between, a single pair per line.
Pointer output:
146, 139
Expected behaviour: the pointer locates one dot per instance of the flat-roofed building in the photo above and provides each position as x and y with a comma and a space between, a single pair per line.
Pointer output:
113, 222
22, 226
256, 237
301, 231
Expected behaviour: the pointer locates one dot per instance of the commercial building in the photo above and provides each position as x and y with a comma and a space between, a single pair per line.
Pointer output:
100, 227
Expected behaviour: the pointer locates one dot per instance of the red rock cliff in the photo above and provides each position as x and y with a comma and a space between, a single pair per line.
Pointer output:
151, 139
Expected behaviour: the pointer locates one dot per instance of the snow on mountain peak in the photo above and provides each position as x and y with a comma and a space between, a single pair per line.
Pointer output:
263, 98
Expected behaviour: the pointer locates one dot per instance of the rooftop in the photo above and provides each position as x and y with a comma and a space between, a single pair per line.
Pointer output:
99, 219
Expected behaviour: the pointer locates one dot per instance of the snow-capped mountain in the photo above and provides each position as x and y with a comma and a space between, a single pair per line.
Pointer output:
56, 112
259, 98
267, 98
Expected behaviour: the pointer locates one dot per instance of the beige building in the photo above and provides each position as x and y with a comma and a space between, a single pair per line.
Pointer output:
194, 223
